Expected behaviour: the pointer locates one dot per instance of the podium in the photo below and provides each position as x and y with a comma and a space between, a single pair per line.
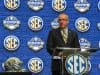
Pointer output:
74, 61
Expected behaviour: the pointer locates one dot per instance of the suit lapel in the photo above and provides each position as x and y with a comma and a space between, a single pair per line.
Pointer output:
69, 37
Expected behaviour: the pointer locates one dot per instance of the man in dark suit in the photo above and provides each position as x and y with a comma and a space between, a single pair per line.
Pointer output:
61, 37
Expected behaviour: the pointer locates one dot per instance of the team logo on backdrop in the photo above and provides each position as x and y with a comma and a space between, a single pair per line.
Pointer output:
99, 5
84, 43
13, 64
35, 44
82, 5
11, 22
11, 43
59, 5
35, 4
82, 24
98, 26
76, 64
12, 4
35, 23
55, 24
35, 65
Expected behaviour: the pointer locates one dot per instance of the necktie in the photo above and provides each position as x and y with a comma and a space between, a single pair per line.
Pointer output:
64, 35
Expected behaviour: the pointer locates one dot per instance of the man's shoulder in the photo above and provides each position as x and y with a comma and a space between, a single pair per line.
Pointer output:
58, 29
72, 31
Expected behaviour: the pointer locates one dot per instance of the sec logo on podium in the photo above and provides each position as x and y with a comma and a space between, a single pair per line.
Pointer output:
76, 64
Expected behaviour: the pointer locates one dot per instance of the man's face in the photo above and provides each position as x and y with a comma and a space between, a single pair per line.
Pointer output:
63, 20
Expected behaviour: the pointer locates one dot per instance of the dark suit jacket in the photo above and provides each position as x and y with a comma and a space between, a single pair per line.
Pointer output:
55, 40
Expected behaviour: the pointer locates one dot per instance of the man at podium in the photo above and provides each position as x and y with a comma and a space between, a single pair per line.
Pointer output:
61, 37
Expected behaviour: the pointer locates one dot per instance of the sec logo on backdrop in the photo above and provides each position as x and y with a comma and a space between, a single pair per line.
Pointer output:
35, 65
11, 43
35, 4
82, 24
12, 4
11, 23
76, 64
35, 23
59, 5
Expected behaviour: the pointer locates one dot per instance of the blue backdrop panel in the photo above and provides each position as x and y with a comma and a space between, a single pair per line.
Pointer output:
23, 13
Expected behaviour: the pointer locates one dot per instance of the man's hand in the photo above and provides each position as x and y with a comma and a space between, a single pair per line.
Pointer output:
60, 54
